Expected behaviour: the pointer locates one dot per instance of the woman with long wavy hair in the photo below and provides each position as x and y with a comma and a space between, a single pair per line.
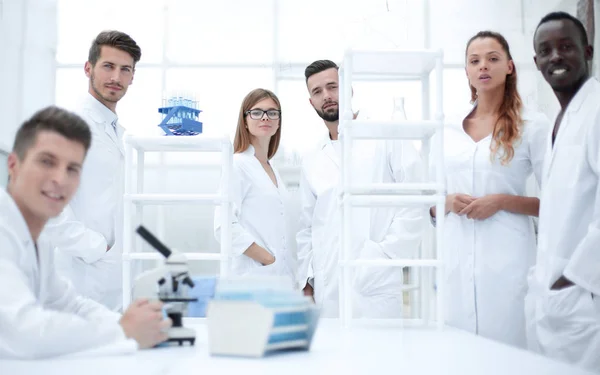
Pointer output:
489, 237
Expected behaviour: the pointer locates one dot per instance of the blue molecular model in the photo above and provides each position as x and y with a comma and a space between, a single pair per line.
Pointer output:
180, 117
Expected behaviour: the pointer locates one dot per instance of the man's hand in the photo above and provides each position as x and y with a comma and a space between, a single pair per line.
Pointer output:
562, 283
143, 321
457, 202
482, 208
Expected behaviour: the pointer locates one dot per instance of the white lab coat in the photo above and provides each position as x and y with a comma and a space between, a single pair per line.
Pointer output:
261, 215
565, 324
40, 314
377, 233
94, 218
486, 261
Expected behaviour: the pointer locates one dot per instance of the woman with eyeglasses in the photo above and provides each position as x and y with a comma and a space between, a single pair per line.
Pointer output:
260, 243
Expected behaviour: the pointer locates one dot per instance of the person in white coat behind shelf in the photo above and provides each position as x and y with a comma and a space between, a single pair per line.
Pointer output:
261, 240
88, 234
563, 302
377, 233
41, 315
489, 239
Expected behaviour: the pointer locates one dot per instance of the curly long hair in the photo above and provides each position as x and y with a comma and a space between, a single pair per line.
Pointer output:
507, 127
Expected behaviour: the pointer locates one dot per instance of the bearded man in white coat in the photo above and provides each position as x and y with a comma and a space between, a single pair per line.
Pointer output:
563, 302
41, 315
87, 235
377, 233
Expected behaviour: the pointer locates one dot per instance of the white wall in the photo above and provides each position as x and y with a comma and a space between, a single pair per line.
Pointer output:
3, 167
28, 64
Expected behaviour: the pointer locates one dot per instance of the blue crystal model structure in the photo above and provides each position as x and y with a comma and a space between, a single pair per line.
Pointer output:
180, 117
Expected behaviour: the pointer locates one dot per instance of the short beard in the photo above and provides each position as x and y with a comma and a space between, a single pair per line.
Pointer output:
329, 117
108, 99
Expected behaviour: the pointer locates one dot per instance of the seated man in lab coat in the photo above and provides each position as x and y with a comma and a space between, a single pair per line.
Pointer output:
563, 303
377, 233
40, 313
87, 235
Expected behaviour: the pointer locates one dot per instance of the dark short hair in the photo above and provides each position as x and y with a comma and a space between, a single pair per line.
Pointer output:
52, 119
116, 39
557, 16
319, 66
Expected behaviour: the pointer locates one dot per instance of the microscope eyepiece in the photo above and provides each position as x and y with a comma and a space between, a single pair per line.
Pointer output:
153, 241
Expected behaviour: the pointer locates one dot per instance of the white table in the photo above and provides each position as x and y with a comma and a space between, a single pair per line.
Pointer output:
335, 351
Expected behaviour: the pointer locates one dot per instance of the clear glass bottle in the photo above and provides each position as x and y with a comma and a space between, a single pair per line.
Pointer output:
399, 114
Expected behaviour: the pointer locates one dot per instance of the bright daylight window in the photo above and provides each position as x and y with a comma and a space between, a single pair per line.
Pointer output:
221, 50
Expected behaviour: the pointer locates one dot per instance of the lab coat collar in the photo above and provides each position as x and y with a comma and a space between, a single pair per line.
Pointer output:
590, 85
459, 123
327, 143
468, 112
456, 117
457, 120
14, 218
574, 106
249, 151
104, 119
98, 112
329, 150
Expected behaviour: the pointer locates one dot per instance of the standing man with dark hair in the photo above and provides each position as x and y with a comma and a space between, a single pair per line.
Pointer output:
563, 303
377, 233
41, 315
87, 235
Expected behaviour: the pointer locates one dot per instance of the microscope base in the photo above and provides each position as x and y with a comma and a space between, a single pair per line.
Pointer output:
181, 335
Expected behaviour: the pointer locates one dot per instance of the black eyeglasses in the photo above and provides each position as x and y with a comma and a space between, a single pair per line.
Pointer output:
257, 114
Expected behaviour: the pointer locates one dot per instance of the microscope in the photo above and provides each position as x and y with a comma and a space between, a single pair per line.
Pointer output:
169, 284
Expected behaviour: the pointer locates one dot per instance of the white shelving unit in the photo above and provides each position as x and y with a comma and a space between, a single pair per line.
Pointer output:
135, 199
397, 66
